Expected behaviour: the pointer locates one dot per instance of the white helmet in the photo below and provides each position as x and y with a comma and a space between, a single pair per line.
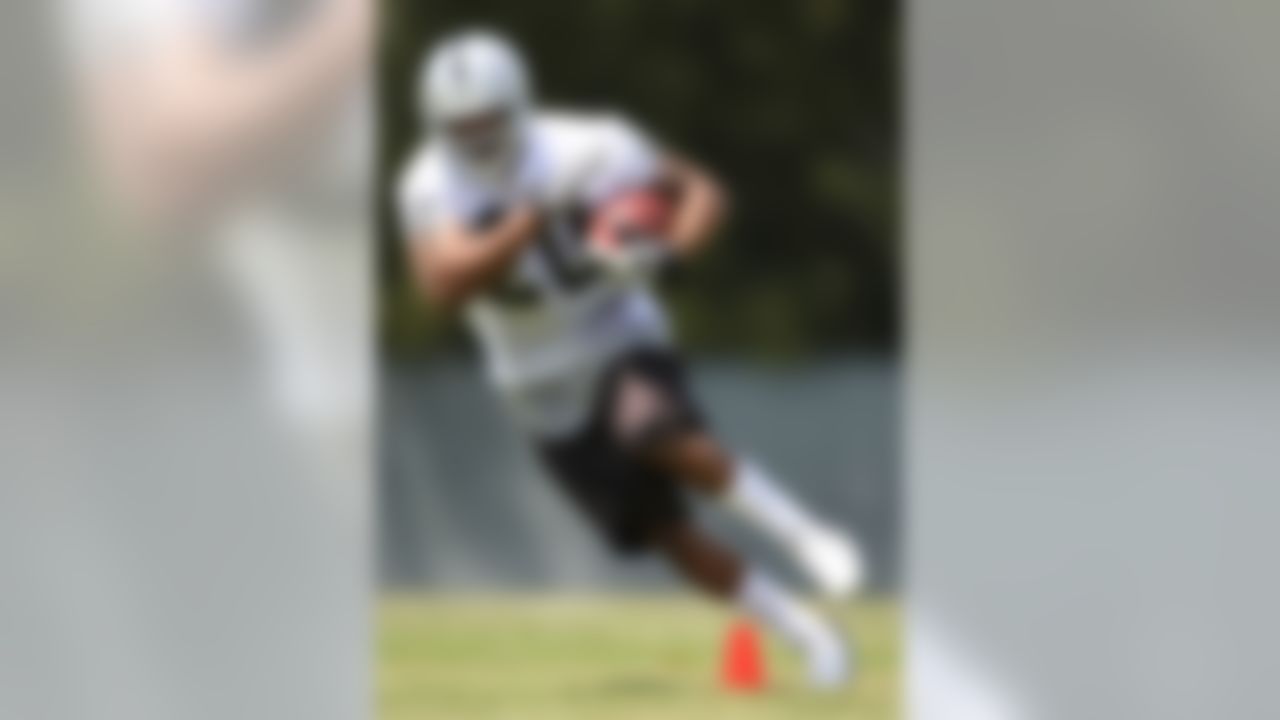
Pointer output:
475, 96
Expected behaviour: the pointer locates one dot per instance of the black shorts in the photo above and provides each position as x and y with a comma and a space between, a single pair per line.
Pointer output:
643, 398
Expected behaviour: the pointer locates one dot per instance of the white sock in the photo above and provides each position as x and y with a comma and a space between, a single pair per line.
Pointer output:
763, 502
779, 610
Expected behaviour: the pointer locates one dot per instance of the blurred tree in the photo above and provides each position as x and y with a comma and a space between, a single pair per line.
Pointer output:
793, 103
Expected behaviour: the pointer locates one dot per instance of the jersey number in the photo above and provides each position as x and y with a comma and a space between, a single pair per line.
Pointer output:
565, 267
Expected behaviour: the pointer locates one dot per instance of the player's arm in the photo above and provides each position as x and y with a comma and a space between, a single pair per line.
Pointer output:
700, 205
452, 263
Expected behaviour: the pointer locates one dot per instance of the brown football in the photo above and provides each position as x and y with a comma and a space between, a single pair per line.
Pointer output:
641, 214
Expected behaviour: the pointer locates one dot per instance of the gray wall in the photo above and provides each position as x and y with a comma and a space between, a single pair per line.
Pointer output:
462, 505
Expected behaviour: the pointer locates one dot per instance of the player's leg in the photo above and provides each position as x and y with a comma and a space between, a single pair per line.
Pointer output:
754, 495
710, 566
653, 414
611, 475
703, 562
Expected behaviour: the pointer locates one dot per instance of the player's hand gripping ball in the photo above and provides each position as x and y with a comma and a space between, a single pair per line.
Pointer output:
641, 215
627, 231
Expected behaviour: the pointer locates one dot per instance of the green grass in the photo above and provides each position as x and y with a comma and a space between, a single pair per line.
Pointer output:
605, 658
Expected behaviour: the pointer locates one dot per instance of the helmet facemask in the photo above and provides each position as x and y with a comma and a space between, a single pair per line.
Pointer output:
476, 96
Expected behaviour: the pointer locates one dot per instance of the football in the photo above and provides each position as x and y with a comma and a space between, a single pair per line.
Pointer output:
635, 215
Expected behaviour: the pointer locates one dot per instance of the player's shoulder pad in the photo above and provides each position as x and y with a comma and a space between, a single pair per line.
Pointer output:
419, 188
422, 174
589, 128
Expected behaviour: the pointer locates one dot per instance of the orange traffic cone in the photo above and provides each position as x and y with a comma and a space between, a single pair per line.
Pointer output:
743, 667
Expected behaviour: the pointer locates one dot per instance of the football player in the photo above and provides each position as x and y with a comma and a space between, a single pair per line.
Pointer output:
493, 206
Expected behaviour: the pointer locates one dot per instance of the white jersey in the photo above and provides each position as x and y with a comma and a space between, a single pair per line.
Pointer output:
548, 328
